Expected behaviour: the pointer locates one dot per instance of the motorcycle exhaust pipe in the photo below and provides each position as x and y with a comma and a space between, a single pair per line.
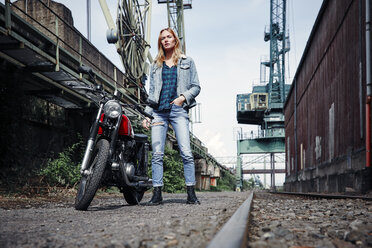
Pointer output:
123, 168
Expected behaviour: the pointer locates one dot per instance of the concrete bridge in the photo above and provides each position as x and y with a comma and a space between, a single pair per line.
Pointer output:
40, 52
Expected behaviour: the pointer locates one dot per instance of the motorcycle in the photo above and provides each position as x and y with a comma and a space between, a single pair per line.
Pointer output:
114, 155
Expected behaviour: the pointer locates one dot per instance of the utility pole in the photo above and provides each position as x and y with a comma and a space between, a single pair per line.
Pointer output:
89, 20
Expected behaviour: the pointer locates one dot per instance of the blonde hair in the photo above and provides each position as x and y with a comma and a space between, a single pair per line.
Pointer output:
161, 54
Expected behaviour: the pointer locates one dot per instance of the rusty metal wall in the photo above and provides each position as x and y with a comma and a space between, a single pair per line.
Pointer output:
324, 124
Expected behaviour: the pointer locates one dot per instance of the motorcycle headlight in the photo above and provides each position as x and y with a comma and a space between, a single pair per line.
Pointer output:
112, 109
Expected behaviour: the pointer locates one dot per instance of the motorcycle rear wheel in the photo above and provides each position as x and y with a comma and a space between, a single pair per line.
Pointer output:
89, 184
133, 195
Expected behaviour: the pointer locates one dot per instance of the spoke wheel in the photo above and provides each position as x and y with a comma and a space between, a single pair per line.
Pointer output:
131, 28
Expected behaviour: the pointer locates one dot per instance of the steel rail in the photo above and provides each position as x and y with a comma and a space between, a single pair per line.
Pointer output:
235, 232
325, 196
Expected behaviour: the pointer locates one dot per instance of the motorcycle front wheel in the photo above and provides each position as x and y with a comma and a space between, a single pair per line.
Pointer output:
90, 183
133, 195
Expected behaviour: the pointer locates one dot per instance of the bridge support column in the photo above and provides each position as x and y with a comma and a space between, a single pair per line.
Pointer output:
272, 166
200, 164
239, 174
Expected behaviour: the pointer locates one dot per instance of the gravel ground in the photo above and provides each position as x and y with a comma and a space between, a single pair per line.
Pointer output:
288, 221
110, 222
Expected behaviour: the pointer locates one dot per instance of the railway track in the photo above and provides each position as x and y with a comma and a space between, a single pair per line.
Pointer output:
325, 196
224, 219
287, 219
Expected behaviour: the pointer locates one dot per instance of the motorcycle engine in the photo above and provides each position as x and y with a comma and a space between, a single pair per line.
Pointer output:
129, 169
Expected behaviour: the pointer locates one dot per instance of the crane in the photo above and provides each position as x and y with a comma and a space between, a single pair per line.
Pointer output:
264, 105
131, 36
176, 19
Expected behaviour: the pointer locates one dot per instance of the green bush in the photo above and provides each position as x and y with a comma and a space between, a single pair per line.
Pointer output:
214, 189
248, 184
226, 182
65, 169
252, 183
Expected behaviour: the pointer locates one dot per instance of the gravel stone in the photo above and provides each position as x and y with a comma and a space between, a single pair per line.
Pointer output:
111, 222
290, 221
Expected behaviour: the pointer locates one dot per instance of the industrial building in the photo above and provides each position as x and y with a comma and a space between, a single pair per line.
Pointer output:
327, 111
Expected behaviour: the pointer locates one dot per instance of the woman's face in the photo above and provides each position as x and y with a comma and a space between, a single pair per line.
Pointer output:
167, 40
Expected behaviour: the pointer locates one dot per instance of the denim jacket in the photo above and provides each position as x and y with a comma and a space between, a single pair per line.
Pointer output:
187, 83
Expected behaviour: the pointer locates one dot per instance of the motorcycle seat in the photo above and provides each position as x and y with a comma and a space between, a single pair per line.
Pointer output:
140, 137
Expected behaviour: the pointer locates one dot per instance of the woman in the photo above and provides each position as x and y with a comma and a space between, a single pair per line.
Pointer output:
174, 84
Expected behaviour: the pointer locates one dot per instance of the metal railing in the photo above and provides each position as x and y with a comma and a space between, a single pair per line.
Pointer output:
71, 43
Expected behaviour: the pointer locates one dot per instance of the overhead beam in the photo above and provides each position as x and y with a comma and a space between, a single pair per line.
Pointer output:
55, 91
11, 46
263, 171
265, 145
41, 68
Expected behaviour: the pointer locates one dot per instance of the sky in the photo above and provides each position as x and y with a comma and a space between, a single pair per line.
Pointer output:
226, 41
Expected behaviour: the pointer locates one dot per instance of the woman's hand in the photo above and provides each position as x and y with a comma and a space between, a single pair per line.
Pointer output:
146, 123
179, 100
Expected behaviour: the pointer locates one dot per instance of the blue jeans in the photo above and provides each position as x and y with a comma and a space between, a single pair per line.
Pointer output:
179, 120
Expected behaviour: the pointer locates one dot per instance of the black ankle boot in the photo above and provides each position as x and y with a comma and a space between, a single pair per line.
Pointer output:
191, 197
156, 197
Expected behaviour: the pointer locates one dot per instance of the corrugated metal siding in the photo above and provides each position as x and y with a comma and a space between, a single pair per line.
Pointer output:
327, 84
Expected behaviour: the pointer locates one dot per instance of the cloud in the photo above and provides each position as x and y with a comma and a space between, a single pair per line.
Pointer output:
214, 142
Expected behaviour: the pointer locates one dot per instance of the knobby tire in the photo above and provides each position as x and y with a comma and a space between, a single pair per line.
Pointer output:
90, 184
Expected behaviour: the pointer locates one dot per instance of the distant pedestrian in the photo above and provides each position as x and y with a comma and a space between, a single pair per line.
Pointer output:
174, 84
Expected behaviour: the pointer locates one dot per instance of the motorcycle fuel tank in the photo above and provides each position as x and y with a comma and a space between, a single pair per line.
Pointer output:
125, 126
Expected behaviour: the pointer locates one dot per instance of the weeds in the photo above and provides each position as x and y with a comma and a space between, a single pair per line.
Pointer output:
64, 170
